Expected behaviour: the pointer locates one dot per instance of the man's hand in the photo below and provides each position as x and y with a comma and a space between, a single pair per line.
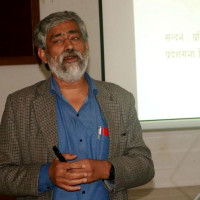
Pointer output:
95, 169
69, 175
61, 173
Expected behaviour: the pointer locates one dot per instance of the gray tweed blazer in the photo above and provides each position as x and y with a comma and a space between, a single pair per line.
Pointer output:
28, 132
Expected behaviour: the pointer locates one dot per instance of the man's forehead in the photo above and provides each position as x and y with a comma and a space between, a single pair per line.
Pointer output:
64, 28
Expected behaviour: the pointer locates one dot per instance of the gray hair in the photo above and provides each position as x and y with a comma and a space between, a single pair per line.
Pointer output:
52, 20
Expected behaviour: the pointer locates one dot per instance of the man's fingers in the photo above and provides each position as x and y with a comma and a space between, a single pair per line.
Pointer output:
72, 176
70, 184
74, 165
69, 156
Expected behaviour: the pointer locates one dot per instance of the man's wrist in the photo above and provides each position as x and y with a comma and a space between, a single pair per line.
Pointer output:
112, 173
108, 171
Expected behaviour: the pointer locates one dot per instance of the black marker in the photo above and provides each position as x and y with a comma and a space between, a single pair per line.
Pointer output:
58, 154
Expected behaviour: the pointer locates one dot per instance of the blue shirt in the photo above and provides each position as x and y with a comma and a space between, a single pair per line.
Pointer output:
78, 134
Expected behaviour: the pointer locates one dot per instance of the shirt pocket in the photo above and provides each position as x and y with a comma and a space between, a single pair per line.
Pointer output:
102, 146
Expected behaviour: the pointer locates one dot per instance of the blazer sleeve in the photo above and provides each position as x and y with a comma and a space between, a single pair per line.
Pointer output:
16, 178
135, 167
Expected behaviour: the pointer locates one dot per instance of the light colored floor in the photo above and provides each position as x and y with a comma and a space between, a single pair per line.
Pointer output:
179, 193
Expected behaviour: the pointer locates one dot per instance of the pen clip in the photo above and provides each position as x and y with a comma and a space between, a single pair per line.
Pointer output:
99, 132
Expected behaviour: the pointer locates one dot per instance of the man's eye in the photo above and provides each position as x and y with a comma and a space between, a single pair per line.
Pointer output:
57, 41
75, 38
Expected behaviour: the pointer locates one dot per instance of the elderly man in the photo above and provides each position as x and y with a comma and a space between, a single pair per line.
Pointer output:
93, 123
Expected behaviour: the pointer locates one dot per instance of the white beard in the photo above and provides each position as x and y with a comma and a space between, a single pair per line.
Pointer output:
70, 72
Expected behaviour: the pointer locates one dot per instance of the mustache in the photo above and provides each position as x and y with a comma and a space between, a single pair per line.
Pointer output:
71, 52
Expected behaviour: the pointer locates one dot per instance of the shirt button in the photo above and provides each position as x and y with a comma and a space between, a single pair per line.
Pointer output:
83, 192
77, 115
81, 140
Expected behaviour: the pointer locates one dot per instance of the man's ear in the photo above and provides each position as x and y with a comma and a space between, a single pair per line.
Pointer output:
42, 55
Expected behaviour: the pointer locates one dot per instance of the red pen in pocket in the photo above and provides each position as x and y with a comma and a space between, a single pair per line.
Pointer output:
102, 131
105, 131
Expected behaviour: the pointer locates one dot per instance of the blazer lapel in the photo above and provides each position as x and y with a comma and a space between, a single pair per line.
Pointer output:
45, 110
110, 109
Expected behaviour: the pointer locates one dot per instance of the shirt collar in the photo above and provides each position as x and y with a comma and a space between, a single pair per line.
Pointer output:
54, 89
92, 87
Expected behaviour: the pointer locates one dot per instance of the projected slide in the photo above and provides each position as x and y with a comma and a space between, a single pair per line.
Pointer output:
167, 39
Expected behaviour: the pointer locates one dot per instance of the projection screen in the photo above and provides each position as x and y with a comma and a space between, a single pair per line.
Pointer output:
152, 48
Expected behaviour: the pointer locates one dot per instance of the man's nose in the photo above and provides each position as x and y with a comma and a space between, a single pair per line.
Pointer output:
68, 44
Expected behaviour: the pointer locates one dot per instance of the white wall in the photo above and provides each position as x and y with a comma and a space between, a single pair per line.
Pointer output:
176, 157
175, 153
119, 43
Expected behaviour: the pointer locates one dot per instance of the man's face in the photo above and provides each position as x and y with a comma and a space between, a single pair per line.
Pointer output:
66, 53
